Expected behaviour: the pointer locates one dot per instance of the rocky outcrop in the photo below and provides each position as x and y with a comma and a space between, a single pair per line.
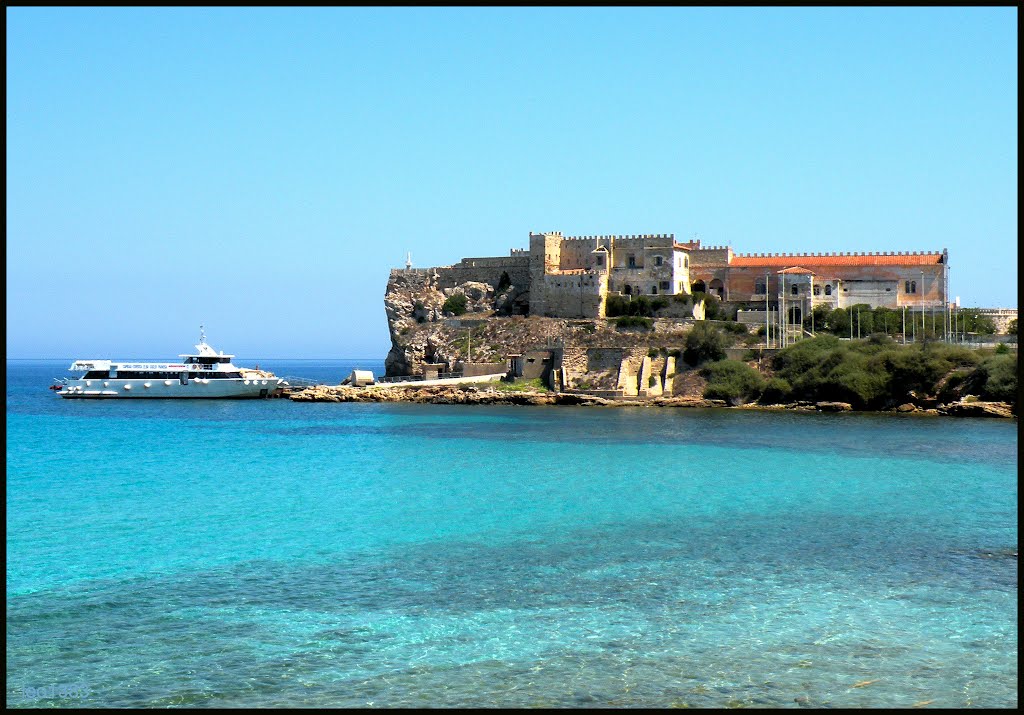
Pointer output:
480, 395
977, 409
414, 304
833, 406
442, 395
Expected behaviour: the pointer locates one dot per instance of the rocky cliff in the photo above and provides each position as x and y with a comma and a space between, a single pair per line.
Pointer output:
492, 326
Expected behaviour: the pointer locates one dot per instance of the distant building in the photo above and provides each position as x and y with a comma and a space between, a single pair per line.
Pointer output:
571, 276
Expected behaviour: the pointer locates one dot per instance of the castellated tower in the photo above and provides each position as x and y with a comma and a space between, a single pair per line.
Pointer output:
568, 277
545, 258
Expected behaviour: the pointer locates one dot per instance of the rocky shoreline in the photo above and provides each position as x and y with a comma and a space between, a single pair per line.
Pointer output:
480, 395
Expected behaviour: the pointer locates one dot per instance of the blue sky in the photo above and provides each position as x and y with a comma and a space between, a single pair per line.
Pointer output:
260, 170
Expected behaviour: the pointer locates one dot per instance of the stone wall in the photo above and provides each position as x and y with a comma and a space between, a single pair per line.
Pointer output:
476, 369
577, 294
486, 270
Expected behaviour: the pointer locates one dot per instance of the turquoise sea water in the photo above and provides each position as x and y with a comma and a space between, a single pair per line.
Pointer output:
270, 553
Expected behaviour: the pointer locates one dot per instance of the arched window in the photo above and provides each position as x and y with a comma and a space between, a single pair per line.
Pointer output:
628, 290
828, 290
913, 286
794, 289
817, 290
654, 290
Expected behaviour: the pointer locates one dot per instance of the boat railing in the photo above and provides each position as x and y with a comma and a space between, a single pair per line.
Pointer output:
300, 381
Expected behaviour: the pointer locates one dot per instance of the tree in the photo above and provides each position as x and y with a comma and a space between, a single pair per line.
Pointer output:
838, 322
704, 343
818, 319
862, 317
887, 321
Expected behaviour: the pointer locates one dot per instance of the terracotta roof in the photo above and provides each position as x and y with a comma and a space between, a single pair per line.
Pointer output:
885, 259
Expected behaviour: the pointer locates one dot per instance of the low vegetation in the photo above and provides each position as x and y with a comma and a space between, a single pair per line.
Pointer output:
634, 321
862, 320
878, 373
520, 385
455, 304
704, 343
733, 381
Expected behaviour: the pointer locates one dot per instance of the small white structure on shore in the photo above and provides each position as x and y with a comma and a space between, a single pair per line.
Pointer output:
359, 378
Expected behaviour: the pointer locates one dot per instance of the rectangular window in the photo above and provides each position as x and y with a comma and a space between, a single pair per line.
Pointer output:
632, 261
599, 260
657, 260
665, 285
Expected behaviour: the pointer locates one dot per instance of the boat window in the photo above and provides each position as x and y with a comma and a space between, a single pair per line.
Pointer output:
96, 375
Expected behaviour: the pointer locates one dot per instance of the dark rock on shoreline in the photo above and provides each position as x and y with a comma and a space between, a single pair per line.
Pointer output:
486, 395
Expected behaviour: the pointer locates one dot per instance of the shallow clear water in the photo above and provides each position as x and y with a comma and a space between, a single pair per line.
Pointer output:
270, 553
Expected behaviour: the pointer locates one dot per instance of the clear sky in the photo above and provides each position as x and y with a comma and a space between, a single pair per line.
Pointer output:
260, 170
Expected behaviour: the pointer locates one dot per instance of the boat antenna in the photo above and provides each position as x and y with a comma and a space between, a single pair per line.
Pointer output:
202, 334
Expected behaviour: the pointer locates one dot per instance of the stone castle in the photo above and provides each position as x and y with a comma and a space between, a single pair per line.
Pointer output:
572, 276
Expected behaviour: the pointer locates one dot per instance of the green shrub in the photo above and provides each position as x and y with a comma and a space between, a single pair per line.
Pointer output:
1002, 349
653, 352
456, 304
876, 372
616, 305
805, 354
776, 390
634, 321
704, 343
733, 381
995, 378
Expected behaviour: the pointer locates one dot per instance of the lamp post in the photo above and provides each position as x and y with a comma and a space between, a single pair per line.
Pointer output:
922, 304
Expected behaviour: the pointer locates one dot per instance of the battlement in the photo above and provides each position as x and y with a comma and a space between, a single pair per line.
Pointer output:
837, 253
606, 237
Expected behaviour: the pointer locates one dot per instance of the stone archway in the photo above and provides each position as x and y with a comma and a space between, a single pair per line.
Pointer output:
716, 287
699, 287
628, 290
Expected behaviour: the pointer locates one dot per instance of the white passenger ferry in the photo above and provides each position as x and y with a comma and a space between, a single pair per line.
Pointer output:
205, 373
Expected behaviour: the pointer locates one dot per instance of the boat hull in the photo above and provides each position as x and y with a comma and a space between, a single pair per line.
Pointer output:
224, 388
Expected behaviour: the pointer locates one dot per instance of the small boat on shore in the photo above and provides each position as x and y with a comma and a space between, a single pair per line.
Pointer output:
204, 374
